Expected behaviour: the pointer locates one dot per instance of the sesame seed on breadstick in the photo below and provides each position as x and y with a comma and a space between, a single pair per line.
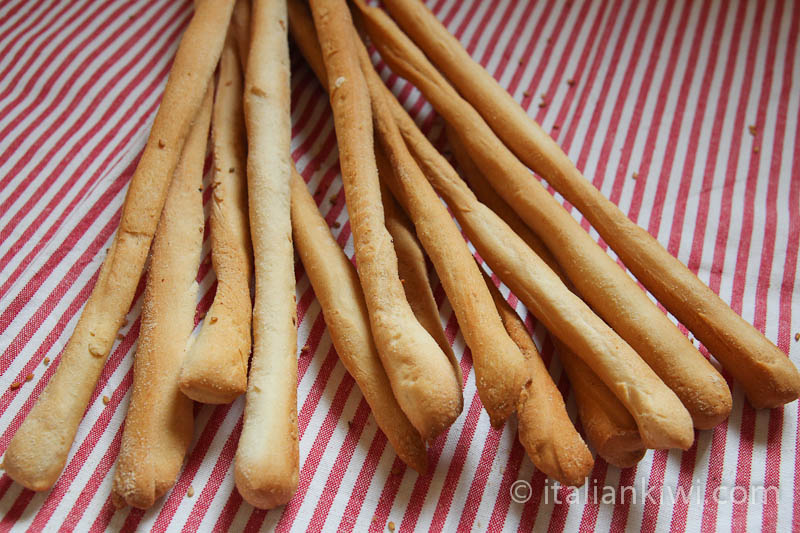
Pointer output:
768, 377
420, 373
159, 423
37, 453
337, 288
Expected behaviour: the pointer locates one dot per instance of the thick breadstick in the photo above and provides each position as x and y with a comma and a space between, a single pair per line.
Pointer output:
215, 368
420, 373
413, 270
39, 449
159, 423
545, 429
768, 377
605, 286
500, 371
267, 457
336, 286
609, 427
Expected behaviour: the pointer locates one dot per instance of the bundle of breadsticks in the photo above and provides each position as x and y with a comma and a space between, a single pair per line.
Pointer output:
639, 383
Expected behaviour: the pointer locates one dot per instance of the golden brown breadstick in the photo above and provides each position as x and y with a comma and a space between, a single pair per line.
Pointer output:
159, 422
413, 271
545, 429
500, 371
609, 427
420, 373
215, 367
605, 286
698, 385
267, 457
336, 286
39, 449
768, 377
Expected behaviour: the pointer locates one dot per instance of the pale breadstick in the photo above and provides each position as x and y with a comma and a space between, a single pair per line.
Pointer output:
159, 422
609, 427
420, 373
336, 286
267, 457
500, 371
768, 377
545, 429
39, 449
607, 288
215, 368
413, 271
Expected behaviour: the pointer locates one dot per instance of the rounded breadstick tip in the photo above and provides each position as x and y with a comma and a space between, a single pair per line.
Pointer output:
265, 488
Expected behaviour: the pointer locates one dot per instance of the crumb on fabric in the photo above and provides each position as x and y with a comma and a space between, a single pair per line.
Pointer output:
46, 361
106, 399
190, 491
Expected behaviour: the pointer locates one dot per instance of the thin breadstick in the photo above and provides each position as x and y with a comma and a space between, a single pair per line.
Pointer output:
768, 377
159, 422
609, 427
420, 373
267, 457
545, 429
606, 287
215, 368
336, 286
413, 271
500, 371
39, 449
240, 29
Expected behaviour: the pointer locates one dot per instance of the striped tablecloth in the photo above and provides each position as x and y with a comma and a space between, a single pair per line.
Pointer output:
654, 100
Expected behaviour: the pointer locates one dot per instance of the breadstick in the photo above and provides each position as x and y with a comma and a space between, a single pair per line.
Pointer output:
606, 286
413, 271
215, 368
267, 457
39, 449
500, 372
768, 377
336, 286
545, 429
609, 427
159, 422
240, 29
420, 373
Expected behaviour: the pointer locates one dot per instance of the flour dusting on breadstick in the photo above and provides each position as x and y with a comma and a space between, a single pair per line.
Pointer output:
267, 457
159, 422
37, 453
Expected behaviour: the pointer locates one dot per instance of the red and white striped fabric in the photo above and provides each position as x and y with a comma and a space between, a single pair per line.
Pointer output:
663, 91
